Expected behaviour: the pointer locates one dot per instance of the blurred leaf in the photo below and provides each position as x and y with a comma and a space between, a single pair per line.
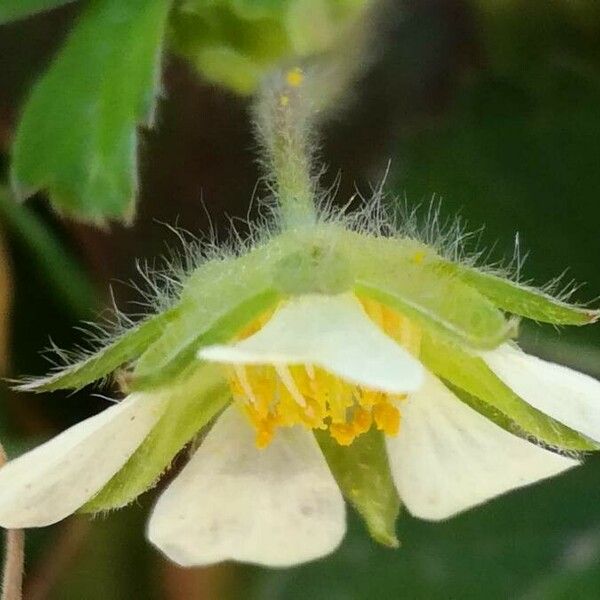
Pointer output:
11, 10
59, 268
77, 136
363, 474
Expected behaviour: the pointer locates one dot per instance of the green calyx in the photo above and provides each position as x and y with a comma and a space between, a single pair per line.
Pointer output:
223, 296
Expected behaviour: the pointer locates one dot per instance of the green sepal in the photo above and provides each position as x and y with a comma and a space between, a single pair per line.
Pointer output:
489, 411
191, 405
126, 347
78, 134
395, 273
363, 473
471, 374
159, 365
11, 10
524, 300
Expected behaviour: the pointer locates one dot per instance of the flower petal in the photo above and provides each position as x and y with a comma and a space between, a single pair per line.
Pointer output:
448, 458
562, 393
334, 333
278, 506
52, 481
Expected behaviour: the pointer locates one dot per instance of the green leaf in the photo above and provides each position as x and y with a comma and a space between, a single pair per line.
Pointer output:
11, 10
524, 300
127, 346
363, 474
191, 406
471, 374
77, 137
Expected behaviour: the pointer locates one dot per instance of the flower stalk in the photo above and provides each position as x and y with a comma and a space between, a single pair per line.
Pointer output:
283, 114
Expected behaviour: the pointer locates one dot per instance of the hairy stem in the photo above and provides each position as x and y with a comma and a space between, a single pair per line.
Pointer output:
283, 114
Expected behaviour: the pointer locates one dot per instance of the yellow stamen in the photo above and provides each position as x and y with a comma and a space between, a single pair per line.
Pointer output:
387, 418
342, 433
244, 384
274, 396
290, 384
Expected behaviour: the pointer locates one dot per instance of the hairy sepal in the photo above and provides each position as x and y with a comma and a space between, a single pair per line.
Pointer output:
396, 273
470, 373
171, 357
123, 349
218, 299
223, 296
523, 300
362, 471
191, 405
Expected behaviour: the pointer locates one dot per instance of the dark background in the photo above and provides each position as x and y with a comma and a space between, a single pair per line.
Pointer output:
492, 106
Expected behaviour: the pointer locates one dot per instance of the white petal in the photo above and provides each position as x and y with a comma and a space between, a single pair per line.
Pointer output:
55, 479
562, 393
448, 458
278, 506
332, 332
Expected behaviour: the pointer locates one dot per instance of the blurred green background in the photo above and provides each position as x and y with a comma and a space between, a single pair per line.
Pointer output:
492, 106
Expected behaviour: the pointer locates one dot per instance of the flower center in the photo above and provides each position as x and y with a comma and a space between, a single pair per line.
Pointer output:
274, 396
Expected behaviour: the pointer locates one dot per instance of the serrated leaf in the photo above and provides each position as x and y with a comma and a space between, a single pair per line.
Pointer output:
77, 136
191, 406
127, 346
524, 300
363, 474
11, 10
471, 374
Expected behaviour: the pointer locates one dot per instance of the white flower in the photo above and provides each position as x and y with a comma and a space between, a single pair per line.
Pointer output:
259, 489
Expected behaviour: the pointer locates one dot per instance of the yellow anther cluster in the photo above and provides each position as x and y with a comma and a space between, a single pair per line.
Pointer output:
284, 396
